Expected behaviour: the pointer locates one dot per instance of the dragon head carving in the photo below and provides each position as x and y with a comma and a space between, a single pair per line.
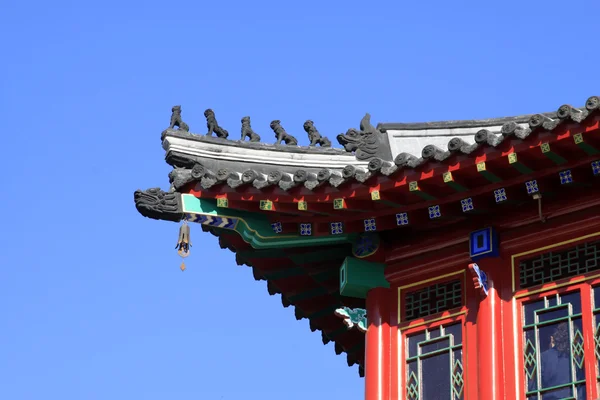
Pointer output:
366, 143
157, 204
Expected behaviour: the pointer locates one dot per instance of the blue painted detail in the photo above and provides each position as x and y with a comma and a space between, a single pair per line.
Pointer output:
277, 227
482, 278
532, 187
483, 243
402, 219
500, 195
370, 225
337, 228
365, 245
565, 177
596, 167
467, 204
305, 229
434, 212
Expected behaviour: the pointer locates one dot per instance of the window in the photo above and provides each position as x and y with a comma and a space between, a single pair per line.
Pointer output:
432, 300
554, 347
560, 322
434, 363
432, 317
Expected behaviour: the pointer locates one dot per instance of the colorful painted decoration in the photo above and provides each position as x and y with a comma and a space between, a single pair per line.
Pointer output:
337, 228
370, 225
402, 219
353, 317
483, 243
596, 167
532, 186
500, 195
277, 227
565, 177
480, 279
366, 244
434, 212
467, 204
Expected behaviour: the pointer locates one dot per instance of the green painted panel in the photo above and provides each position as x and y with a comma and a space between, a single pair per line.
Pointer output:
357, 277
255, 229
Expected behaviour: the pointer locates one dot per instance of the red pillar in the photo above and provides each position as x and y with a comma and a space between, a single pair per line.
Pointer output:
489, 342
378, 350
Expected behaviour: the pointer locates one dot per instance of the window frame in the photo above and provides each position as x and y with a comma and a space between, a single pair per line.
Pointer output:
432, 321
584, 283
435, 323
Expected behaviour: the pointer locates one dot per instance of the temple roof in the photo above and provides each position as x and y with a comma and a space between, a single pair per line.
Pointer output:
385, 150
294, 213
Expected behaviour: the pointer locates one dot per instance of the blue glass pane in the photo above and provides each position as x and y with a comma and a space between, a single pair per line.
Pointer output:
437, 345
436, 377
555, 358
574, 299
413, 342
553, 314
455, 331
435, 332
529, 311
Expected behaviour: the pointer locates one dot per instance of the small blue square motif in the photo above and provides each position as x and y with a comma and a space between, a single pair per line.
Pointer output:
370, 225
305, 229
596, 167
532, 187
337, 228
277, 228
434, 212
467, 204
500, 195
402, 219
565, 177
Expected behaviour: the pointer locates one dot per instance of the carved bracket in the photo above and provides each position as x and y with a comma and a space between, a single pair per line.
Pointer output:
353, 317
480, 279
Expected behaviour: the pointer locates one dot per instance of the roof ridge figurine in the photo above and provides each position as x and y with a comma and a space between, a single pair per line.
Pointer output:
247, 131
176, 120
314, 136
213, 125
282, 135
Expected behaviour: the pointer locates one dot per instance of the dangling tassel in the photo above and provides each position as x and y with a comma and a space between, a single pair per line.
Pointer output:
183, 243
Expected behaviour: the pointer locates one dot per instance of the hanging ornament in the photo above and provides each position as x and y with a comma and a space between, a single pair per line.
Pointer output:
183, 243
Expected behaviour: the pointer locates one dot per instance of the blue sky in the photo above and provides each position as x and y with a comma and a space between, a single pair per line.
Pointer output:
92, 303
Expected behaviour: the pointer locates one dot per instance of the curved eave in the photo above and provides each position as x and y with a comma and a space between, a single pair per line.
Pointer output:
304, 271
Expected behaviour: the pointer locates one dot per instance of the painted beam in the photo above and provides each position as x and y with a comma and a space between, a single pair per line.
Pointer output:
254, 228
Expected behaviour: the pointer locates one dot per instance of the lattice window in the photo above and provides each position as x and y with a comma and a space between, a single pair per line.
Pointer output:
434, 364
552, 266
553, 344
432, 299
596, 299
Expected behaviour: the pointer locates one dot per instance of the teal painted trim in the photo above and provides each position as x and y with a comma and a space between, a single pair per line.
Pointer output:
555, 158
255, 229
588, 149
357, 277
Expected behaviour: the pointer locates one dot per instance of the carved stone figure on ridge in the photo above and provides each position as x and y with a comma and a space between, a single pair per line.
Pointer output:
314, 136
366, 143
176, 120
213, 125
281, 134
247, 131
